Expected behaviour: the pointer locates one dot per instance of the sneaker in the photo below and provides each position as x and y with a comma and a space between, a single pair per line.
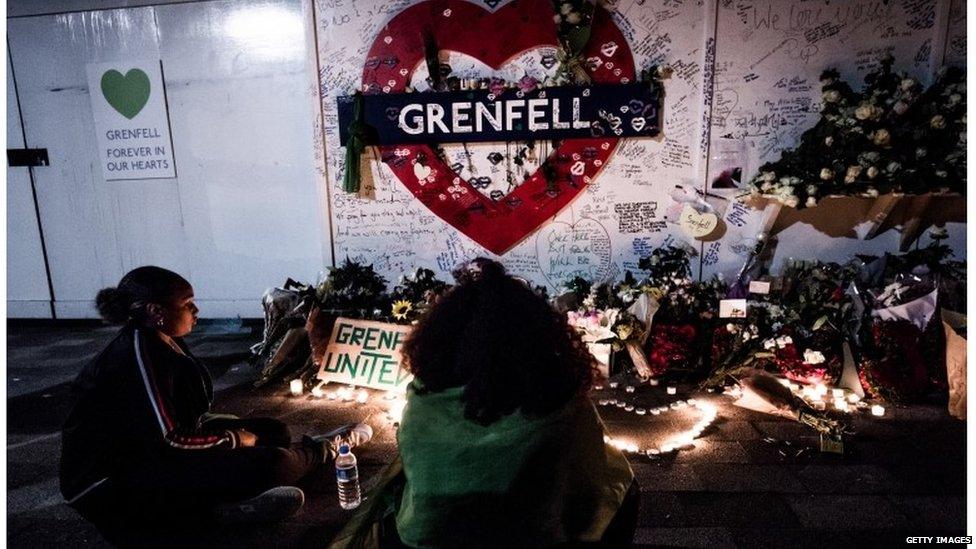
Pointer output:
353, 434
276, 504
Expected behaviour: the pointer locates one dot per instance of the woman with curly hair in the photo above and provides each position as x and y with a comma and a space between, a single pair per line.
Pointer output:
499, 444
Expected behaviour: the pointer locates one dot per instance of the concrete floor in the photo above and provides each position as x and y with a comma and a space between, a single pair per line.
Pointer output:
742, 483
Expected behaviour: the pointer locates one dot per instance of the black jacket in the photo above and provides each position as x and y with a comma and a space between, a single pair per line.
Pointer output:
139, 400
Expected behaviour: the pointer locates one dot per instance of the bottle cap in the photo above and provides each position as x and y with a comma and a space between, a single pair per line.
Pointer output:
343, 449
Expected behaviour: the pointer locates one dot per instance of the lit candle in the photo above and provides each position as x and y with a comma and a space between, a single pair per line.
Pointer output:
331, 395
295, 387
841, 405
819, 405
878, 410
641, 411
653, 382
853, 398
363, 397
784, 382
629, 408
672, 390
317, 392
629, 389
396, 410
837, 392
614, 384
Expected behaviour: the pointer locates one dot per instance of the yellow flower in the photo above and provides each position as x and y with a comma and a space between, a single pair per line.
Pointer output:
401, 309
656, 293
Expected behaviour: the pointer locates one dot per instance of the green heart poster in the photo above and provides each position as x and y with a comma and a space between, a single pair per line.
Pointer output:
132, 128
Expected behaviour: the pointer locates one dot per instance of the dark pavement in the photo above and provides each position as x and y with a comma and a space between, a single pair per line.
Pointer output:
741, 484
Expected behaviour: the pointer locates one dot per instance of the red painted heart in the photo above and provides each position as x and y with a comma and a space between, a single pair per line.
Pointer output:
493, 38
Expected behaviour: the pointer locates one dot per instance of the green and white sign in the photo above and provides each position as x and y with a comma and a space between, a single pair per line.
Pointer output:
131, 120
367, 354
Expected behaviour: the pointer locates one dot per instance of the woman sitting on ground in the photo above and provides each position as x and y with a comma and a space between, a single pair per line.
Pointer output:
140, 444
499, 443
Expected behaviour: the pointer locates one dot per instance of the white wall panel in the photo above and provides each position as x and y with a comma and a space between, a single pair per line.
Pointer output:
244, 212
27, 290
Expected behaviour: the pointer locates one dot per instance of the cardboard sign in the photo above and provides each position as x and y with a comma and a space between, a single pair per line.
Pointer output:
367, 354
564, 112
131, 121
732, 308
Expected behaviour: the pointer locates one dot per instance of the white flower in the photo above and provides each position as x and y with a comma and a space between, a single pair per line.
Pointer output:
791, 201
937, 122
872, 192
831, 96
829, 140
826, 174
813, 357
852, 173
783, 341
867, 111
811, 202
769, 344
811, 189
768, 177
882, 137
872, 172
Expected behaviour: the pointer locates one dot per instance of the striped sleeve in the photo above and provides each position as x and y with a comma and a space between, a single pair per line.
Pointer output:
176, 436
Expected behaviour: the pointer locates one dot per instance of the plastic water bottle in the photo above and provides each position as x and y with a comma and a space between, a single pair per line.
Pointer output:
347, 476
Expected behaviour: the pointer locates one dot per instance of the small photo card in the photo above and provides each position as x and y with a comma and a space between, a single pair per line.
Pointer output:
732, 308
759, 287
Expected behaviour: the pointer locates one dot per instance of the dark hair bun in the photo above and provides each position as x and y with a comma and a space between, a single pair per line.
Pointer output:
479, 268
113, 305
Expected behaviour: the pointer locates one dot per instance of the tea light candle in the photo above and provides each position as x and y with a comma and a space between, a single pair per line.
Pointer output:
841, 405
784, 382
819, 405
362, 397
653, 382
853, 398
837, 392
672, 390
629, 389
614, 384
331, 395
877, 410
295, 386
317, 392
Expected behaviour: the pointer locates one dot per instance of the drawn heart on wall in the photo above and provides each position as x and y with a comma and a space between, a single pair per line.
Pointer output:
492, 38
567, 250
126, 94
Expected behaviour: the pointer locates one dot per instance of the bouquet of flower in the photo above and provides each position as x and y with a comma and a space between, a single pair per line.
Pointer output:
681, 325
903, 342
893, 136
415, 294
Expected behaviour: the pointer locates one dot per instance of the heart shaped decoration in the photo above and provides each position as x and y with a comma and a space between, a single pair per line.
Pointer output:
126, 94
517, 27
697, 225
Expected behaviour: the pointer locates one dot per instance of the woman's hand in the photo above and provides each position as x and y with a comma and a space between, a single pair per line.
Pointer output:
247, 438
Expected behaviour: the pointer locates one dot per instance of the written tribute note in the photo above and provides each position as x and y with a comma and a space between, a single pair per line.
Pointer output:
366, 353
131, 121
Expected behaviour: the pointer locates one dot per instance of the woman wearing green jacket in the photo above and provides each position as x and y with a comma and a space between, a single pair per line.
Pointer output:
499, 444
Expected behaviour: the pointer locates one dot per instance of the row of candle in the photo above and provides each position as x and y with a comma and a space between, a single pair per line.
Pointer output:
349, 393
841, 400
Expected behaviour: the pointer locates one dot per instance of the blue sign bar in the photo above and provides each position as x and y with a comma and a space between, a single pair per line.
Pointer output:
565, 112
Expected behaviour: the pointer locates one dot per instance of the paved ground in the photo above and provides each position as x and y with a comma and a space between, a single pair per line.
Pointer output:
742, 483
